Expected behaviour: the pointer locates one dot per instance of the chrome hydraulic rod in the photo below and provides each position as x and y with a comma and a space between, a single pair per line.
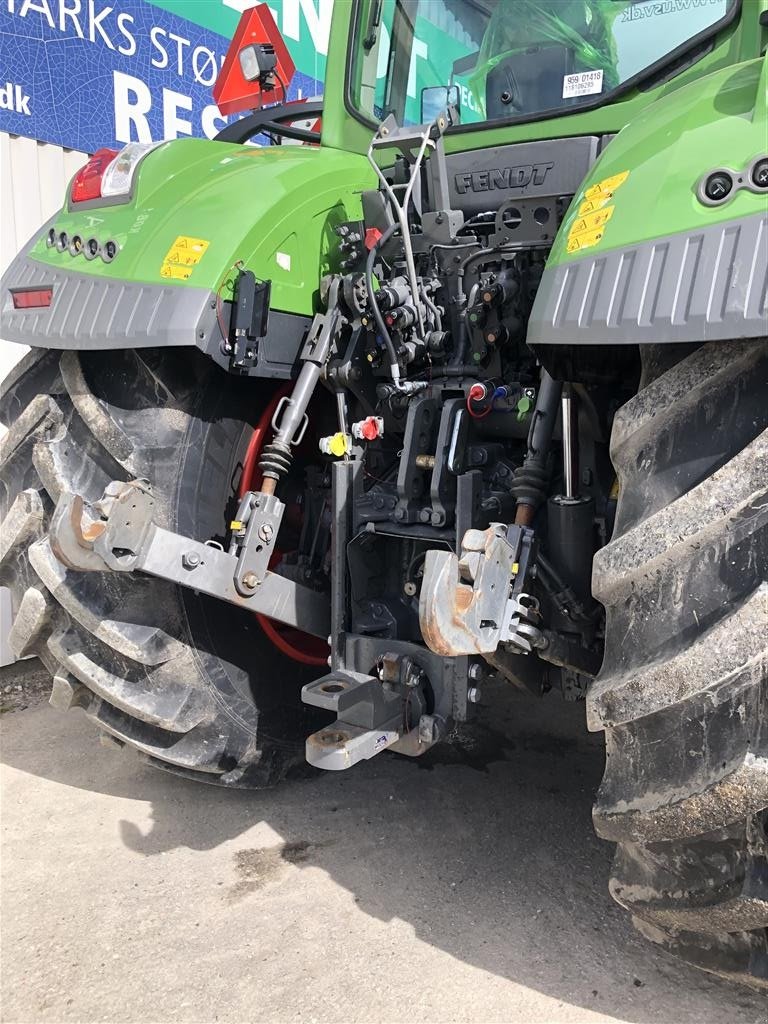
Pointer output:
570, 443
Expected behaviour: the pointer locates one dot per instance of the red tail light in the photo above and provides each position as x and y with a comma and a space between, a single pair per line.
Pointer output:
86, 184
31, 298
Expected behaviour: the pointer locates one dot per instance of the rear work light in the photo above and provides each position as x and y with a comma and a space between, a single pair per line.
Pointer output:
109, 173
31, 298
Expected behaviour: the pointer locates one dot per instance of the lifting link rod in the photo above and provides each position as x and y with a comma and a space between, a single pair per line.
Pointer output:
276, 457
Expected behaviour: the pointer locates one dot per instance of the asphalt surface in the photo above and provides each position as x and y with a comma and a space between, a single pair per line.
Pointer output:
467, 886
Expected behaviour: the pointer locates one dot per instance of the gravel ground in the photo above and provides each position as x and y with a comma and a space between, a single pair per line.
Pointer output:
23, 685
467, 886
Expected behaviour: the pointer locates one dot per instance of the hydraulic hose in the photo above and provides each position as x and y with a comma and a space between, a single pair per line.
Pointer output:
382, 327
433, 310
401, 211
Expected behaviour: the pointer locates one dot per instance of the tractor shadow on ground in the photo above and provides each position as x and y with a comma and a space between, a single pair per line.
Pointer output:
485, 847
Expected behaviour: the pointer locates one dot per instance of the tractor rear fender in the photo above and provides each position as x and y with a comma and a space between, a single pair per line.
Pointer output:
643, 254
198, 211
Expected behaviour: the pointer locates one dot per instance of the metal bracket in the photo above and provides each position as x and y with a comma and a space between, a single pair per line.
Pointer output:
412, 480
118, 533
374, 712
255, 532
449, 454
471, 604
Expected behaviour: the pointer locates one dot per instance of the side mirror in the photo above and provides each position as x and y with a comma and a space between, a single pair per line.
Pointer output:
436, 98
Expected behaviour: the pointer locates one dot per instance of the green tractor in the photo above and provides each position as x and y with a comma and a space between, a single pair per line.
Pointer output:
315, 436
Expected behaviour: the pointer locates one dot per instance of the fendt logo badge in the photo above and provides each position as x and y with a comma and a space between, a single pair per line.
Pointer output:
13, 97
503, 178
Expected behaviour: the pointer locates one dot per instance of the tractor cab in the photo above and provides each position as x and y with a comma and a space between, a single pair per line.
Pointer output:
511, 62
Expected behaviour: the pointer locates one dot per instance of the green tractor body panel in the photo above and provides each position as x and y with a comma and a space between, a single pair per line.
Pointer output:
185, 225
642, 256
718, 121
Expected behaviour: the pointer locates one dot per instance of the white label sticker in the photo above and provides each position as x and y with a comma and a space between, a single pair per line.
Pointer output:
583, 83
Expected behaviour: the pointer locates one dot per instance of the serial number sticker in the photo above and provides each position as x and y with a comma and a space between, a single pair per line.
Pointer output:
582, 83
182, 257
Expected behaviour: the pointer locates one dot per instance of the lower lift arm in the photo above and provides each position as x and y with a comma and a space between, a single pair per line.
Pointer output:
118, 532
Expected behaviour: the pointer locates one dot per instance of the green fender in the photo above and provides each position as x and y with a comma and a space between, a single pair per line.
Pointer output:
717, 121
273, 208
639, 257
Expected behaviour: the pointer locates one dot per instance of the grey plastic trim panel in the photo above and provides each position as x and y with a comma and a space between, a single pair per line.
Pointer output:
89, 313
705, 285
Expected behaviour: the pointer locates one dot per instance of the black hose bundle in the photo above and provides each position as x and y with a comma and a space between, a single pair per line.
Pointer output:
381, 326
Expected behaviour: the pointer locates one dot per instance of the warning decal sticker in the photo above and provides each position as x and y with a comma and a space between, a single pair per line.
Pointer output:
606, 185
593, 213
182, 257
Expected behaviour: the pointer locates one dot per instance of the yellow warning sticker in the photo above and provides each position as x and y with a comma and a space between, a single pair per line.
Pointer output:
606, 185
589, 205
182, 257
175, 273
591, 221
614, 182
595, 210
583, 241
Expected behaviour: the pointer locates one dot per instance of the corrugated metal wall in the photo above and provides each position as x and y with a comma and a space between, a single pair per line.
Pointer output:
33, 177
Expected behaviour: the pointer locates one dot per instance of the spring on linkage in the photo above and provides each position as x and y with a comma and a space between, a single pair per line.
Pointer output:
275, 460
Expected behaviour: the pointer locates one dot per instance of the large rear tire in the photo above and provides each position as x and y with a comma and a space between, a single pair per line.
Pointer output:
190, 682
683, 692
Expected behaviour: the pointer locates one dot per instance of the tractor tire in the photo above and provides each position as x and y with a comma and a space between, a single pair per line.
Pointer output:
683, 691
190, 682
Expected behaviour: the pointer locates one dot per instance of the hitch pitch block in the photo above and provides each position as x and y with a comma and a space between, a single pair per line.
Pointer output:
374, 713
369, 719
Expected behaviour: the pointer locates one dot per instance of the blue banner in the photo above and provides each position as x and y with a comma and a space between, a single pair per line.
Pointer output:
89, 73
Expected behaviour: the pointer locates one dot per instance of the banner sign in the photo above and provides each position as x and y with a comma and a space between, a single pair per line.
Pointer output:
89, 73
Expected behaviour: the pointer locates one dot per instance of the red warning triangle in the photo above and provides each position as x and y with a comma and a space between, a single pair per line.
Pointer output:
231, 93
